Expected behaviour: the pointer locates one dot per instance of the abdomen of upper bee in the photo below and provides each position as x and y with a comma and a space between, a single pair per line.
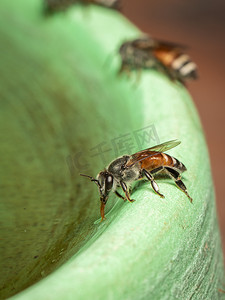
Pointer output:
177, 61
165, 57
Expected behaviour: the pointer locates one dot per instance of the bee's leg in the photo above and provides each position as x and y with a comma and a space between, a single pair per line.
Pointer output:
124, 188
138, 77
125, 69
151, 179
120, 196
177, 179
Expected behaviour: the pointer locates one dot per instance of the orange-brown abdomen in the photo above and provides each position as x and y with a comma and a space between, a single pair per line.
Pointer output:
156, 161
166, 56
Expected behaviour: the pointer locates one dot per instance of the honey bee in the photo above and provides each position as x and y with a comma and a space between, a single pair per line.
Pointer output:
57, 5
147, 53
126, 169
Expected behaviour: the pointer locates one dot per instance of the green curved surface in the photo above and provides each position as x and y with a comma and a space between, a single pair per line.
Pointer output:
60, 98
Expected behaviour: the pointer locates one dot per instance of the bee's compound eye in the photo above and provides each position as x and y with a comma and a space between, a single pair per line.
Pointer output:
109, 183
109, 179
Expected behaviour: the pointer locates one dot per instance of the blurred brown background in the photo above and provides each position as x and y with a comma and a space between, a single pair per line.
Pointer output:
199, 24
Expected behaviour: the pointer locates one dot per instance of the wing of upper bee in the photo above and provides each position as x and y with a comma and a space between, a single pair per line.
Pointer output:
148, 43
168, 45
144, 154
145, 43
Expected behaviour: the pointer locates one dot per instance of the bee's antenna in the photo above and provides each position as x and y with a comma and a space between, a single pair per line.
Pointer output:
92, 179
87, 176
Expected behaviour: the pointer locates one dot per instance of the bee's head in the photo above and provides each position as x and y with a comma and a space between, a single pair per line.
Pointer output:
104, 182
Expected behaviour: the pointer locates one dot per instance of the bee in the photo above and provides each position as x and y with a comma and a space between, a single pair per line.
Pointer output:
147, 53
126, 169
57, 5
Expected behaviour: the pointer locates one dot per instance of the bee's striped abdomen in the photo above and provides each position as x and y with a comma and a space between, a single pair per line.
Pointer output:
170, 161
151, 160
180, 64
185, 66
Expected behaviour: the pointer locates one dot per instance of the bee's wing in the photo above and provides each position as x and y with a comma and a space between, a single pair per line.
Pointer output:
144, 154
145, 43
170, 45
164, 146
148, 43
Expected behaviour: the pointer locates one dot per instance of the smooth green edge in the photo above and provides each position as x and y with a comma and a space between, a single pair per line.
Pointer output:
164, 248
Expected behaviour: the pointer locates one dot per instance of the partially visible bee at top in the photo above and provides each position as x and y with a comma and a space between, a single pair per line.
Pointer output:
169, 58
52, 6
122, 171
